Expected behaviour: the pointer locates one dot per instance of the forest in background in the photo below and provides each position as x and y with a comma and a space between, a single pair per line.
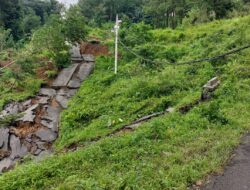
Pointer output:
21, 17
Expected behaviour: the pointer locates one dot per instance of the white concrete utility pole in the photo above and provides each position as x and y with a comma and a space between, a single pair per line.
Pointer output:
116, 30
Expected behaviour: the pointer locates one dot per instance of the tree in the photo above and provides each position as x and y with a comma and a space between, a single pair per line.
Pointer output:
74, 25
6, 39
50, 40
30, 21
99, 11
10, 15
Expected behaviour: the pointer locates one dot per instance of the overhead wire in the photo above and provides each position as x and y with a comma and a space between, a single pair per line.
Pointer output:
206, 59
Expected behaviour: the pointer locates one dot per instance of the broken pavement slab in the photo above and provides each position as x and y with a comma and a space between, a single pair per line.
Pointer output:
4, 138
62, 100
84, 71
88, 57
67, 92
52, 114
65, 76
75, 53
46, 135
41, 114
29, 114
74, 83
47, 92
6, 164
18, 150
53, 125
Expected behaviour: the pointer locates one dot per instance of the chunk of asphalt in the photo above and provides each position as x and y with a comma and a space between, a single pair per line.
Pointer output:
6, 164
62, 100
43, 100
18, 150
74, 83
47, 92
67, 92
52, 114
29, 114
44, 154
53, 125
84, 71
65, 76
88, 57
46, 135
4, 138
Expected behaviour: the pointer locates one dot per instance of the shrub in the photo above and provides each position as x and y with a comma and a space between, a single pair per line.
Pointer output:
6, 39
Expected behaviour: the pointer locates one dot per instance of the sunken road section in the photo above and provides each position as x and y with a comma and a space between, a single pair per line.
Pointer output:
35, 131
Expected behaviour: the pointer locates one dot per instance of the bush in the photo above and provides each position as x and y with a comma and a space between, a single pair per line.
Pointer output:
136, 34
62, 59
6, 39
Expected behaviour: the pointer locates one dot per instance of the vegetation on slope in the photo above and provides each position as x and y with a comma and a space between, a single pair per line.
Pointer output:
169, 152
142, 88
38, 59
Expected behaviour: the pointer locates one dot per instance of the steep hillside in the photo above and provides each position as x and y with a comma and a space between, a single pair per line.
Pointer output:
172, 151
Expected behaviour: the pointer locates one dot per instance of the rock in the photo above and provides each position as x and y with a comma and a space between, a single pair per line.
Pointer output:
88, 57
74, 83
38, 151
67, 92
62, 100
47, 92
170, 110
53, 125
13, 108
17, 149
29, 138
3, 114
43, 155
212, 84
29, 114
6, 164
64, 77
4, 138
28, 117
33, 149
85, 70
209, 88
75, 53
4, 154
52, 114
41, 145
27, 103
34, 107
46, 135
43, 100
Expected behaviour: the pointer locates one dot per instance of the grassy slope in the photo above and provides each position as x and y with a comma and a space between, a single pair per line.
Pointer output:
169, 152
18, 82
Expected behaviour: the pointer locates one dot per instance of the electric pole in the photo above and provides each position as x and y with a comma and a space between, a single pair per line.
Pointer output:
116, 30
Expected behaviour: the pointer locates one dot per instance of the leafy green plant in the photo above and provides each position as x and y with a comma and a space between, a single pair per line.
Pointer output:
8, 120
51, 73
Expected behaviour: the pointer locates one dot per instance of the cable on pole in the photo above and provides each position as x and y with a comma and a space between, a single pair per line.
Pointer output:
207, 59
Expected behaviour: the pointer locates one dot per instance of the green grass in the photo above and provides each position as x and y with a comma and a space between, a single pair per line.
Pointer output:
12, 89
106, 102
20, 82
169, 152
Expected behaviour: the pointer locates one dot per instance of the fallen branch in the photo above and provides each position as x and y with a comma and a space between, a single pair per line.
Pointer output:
7, 65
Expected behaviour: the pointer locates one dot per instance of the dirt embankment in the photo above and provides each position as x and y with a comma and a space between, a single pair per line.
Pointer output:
95, 48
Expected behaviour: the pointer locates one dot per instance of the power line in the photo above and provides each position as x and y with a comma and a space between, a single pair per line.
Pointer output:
207, 59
